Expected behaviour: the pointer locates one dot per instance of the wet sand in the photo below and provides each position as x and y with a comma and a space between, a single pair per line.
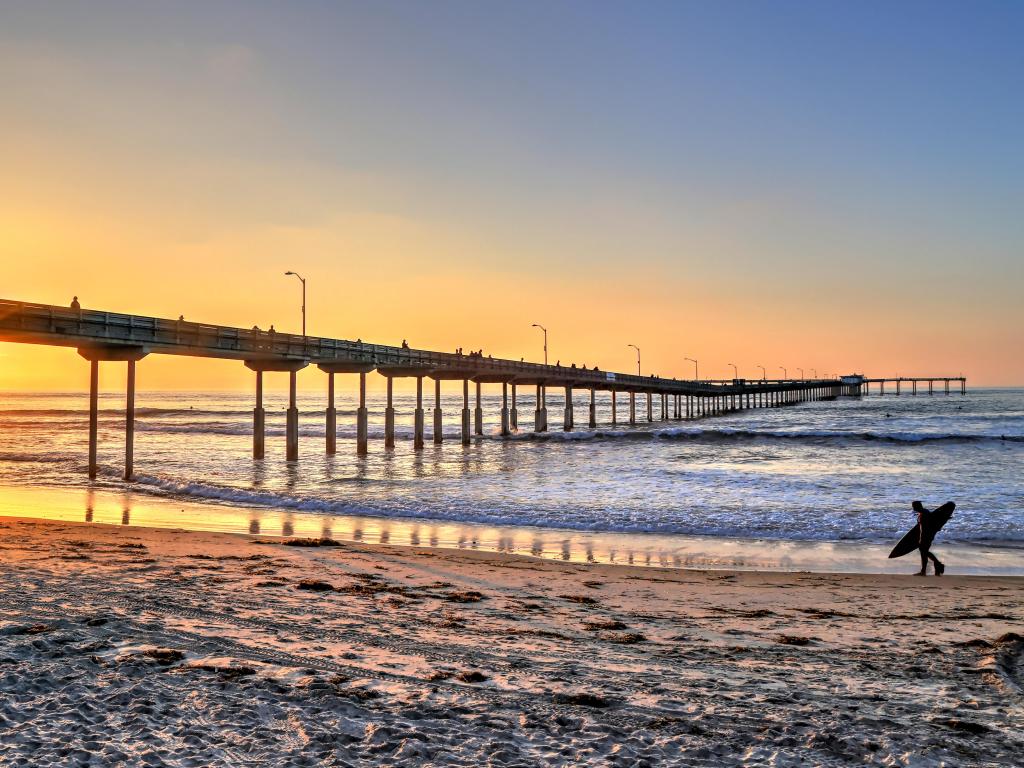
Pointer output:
122, 645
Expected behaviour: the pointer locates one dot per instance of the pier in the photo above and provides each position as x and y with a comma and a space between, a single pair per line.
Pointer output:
899, 381
109, 337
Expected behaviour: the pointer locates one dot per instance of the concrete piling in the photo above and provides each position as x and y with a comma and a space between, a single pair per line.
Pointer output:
361, 418
438, 417
540, 418
505, 431
129, 424
94, 383
567, 421
389, 417
592, 422
465, 412
332, 418
291, 421
478, 416
513, 414
259, 418
417, 430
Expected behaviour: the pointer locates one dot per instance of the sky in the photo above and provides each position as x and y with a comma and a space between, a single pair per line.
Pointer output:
817, 185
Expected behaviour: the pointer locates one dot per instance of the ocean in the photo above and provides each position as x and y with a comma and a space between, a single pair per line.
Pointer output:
821, 472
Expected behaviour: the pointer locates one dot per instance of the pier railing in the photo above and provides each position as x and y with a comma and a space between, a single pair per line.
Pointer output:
84, 328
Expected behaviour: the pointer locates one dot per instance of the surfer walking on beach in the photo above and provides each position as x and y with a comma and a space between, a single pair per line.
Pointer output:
927, 529
921, 536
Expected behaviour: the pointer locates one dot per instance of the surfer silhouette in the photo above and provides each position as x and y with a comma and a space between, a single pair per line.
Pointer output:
921, 536
927, 528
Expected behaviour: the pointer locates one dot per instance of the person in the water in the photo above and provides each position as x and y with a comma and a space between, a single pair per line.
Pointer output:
927, 528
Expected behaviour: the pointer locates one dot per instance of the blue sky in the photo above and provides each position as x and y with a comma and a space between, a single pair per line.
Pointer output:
735, 148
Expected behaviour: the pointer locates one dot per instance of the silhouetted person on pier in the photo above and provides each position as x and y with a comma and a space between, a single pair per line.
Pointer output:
405, 344
928, 526
75, 304
271, 330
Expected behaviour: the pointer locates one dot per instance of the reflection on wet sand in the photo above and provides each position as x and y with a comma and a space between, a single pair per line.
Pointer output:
645, 549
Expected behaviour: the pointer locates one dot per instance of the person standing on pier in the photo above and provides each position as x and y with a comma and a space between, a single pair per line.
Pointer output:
75, 304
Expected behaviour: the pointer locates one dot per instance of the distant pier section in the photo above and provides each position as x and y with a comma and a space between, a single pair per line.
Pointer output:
114, 337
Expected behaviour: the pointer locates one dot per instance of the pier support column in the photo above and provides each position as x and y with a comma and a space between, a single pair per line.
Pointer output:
567, 421
615, 416
913, 385
361, 418
129, 424
931, 387
963, 386
417, 429
540, 416
664, 407
513, 415
478, 415
292, 421
632, 408
332, 418
689, 406
94, 385
465, 412
389, 417
505, 432
947, 386
650, 411
259, 418
438, 426
593, 409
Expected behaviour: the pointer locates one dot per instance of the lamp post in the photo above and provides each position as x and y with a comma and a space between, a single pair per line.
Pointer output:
815, 372
696, 375
785, 373
735, 370
303, 299
538, 325
634, 346
801, 372
764, 374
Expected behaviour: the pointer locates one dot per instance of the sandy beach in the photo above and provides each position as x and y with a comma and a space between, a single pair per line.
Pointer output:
135, 646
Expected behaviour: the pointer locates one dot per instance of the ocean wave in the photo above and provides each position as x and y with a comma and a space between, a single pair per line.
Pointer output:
36, 458
725, 433
242, 496
521, 519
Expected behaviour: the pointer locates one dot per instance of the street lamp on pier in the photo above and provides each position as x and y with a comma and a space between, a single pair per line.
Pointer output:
735, 370
634, 346
785, 373
696, 375
764, 374
303, 299
538, 325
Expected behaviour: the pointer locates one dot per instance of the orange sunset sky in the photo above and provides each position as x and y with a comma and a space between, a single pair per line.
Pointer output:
637, 178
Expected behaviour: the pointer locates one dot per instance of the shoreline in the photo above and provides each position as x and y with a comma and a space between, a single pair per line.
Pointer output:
227, 649
129, 508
